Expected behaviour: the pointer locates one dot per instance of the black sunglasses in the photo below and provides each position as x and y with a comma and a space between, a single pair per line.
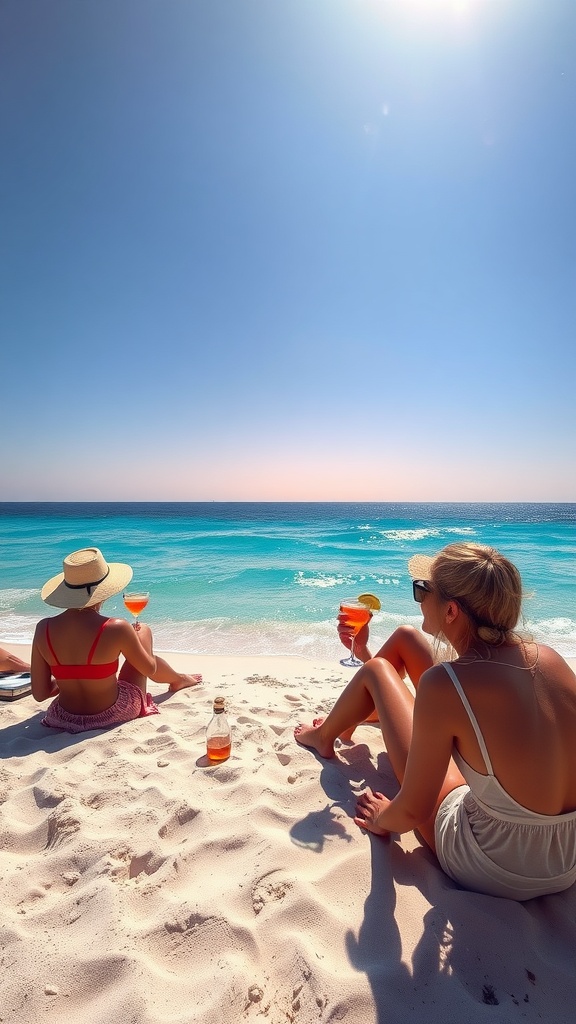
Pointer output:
419, 589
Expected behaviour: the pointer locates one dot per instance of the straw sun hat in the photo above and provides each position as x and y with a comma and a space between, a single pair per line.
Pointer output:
419, 567
87, 580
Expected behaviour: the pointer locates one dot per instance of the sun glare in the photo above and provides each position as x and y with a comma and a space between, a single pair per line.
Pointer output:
421, 12
427, 7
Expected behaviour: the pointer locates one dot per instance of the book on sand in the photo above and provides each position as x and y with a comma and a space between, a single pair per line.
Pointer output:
14, 685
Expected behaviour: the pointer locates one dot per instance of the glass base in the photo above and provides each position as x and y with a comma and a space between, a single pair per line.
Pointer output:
351, 662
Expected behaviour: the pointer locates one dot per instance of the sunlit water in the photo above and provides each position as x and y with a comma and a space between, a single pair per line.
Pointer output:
267, 578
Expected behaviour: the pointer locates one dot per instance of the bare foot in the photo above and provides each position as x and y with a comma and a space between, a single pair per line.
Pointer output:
368, 809
184, 681
345, 736
309, 736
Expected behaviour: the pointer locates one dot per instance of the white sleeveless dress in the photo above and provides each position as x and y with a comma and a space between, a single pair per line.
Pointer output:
488, 842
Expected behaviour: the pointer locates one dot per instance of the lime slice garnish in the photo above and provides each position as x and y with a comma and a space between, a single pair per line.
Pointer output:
371, 601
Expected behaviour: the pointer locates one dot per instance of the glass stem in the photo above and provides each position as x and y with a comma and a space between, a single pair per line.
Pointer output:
352, 647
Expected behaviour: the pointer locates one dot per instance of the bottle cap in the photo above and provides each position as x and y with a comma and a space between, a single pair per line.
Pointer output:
219, 704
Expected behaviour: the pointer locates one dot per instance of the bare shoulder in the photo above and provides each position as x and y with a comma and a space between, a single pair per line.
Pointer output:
434, 677
435, 689
119, 628
437, 708
553, 663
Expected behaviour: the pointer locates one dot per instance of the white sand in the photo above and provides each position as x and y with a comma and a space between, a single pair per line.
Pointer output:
142, 886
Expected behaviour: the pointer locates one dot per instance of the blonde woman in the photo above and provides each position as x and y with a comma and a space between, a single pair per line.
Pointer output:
75, 655
486, 752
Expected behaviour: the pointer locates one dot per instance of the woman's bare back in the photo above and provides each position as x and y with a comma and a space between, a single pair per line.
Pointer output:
72, 636
525, 704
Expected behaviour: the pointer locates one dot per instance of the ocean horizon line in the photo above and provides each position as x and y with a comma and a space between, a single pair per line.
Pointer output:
288, 501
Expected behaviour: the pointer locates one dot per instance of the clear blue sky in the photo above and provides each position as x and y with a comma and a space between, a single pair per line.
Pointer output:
288, 249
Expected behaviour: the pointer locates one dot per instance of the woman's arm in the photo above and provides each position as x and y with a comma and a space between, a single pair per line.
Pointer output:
427, 764
135, 641
43, 685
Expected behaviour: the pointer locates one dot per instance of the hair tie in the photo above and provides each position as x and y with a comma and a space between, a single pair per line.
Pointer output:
493, 635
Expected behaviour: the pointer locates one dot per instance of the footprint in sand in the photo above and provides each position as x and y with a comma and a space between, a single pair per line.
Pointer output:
188, 924
62, 825
256, 733
154, 745
30, 899
221, 772
147, 863
97, 800
46, 797
268, 888
177, 820
283, 758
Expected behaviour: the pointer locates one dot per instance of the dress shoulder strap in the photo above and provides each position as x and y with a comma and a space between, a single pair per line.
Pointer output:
96, 639
483, 749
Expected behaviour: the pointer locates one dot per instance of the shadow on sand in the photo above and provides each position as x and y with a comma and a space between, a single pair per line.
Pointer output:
466, 951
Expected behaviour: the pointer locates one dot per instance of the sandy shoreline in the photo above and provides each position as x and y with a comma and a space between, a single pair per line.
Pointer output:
142, 885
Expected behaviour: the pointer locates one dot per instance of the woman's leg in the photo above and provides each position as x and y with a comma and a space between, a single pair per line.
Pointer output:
176, 680
378, 687
11, 663
129, 674
377, 684
164, 672
406, 650
395, 706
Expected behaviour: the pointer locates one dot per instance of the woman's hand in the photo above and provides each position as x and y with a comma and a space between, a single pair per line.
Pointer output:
346, 634
368, 809
144, 633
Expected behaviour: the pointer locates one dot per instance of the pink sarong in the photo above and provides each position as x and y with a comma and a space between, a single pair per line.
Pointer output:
131, 703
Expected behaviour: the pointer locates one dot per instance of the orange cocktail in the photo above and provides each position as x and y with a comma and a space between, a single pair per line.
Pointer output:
355, 615
136, 602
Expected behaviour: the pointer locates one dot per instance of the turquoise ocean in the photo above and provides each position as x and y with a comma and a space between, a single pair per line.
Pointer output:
267, 578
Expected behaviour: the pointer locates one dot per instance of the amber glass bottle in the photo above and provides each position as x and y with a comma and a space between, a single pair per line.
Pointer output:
218, 733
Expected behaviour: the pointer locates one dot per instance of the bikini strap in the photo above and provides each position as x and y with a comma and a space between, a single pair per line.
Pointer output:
98, 635
49, 642
471, 716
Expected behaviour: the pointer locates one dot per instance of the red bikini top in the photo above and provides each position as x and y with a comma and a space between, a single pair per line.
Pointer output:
87, 671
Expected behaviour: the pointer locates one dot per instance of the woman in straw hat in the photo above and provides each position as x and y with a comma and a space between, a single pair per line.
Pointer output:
75, 655
485, 753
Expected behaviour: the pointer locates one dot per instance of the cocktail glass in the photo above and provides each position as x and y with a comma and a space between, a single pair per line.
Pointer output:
356, 616
136, 601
